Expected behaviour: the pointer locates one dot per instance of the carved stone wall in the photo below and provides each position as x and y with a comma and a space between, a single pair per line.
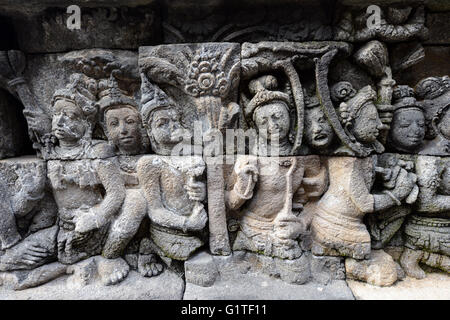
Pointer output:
175, 148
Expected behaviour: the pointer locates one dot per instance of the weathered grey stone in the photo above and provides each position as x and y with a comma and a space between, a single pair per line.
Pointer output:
201, 270
434, 287
325, 269
135, 287
379, 270
435, 63
438, 23
248, 21
259, 287
100, 27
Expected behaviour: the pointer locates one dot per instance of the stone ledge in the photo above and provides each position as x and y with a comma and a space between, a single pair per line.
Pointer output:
436, 286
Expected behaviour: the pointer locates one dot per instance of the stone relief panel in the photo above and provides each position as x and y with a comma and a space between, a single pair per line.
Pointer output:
134, 181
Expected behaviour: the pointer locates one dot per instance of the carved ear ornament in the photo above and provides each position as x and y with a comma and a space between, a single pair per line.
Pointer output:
350, 109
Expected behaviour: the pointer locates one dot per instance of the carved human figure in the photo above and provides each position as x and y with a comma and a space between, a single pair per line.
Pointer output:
427, 231
337, 225
359, 117
171, 185
122, 124
435, 93
269, 192
89, 192
408, 124
28, 213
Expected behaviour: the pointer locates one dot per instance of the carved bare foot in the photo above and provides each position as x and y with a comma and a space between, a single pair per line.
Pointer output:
24, 255
148, 266
112, 271
410, 263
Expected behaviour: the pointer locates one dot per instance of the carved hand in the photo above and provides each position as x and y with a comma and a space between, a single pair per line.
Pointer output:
33, 181
247, 176
289, 229
197, 220
196, 190
404, 184
87, 221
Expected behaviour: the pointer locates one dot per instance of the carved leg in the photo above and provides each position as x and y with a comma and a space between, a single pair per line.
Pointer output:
125, 226
439, 261
410, 263
32, 252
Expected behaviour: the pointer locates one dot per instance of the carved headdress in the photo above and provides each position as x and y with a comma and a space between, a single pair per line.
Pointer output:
264, 93
403, 97
153, 98
81, 91
435, 93
112, 97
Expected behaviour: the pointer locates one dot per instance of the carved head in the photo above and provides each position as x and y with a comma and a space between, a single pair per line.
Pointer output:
359, 116
268, 109
164, 128
73, 113
408, 123
121, 120
318, 132
435, 92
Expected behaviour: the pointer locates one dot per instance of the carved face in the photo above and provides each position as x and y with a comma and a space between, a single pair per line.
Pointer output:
272, 121
407, 129
165, 128
123, 128
367, 124
318, 132
68, 122
444, 124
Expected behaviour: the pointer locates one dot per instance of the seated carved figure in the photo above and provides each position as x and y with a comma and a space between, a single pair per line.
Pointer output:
122, 124
170, 184
88, 192
269, 192
427, 231
435, 93
337, 226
